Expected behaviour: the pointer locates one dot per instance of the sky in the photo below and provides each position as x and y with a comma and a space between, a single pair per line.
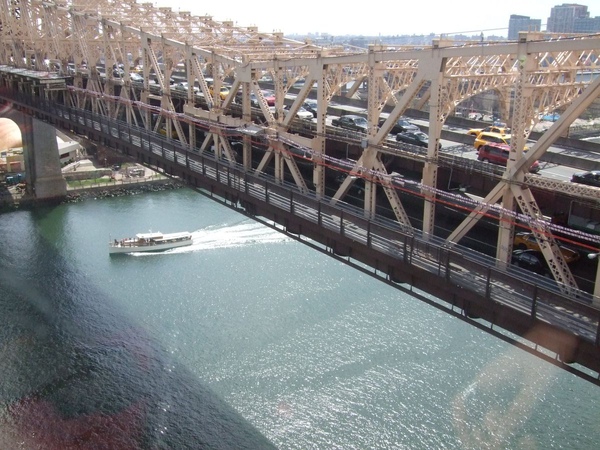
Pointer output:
377, 18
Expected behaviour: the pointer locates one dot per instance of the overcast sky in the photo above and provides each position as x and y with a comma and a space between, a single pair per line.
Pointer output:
372, 18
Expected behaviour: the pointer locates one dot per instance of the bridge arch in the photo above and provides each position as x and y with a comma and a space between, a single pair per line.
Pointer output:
10, 134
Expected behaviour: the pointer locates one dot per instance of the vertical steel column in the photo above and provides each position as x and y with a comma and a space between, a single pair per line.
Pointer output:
430, 169
318, 142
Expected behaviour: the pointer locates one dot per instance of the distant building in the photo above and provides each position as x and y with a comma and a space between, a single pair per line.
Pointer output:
69, 151
587, 25
562, 17
518, 23
12, 161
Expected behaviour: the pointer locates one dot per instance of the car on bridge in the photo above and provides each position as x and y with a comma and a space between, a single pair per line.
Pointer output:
238, 98
183, 87
269, 97
136, 77
118, 71
357, 187
531, 260
401, 125
311, 106
223, 91
415, 138
154, 79
254, 102
302, 113
590, 178
527, 241
490, 129
351, 122
486, 137
498, 154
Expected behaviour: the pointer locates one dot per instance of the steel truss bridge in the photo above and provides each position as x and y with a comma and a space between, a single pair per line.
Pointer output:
68, 53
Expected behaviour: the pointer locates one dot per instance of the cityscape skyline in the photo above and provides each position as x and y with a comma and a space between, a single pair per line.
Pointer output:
315, 18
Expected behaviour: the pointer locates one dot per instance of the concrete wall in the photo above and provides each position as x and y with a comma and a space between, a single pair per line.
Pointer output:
87, 174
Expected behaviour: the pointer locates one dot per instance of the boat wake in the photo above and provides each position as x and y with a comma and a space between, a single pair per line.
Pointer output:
227, 236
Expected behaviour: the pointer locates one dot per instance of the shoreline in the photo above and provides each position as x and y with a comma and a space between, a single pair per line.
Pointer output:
121, 190
75, 196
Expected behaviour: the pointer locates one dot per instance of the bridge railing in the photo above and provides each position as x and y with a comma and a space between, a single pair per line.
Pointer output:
533, 296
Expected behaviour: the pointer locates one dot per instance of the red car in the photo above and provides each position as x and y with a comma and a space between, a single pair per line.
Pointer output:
269, 97
498, 154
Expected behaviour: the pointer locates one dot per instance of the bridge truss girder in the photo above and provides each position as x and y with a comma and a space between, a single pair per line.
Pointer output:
512, 187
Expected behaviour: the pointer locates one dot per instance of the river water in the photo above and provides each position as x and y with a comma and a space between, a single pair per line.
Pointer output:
246, 339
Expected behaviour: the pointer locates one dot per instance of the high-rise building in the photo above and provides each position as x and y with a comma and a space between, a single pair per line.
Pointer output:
521, 23
562, 17
587, 25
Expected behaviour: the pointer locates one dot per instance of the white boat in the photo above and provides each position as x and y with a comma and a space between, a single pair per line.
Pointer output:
150, 242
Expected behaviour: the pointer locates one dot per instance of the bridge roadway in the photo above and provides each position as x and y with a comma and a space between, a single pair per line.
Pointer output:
541, 317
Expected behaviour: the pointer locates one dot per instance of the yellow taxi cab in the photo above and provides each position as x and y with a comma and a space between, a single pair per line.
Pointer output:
527, 241
485, 137
223, 92
489, 129
496, 138
163, 130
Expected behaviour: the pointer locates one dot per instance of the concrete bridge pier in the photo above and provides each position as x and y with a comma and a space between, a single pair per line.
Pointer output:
42, 160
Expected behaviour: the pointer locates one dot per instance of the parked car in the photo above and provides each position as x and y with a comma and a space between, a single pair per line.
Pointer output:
401, 125
591, 178
498, 154
527, 241
415, 138
489, 129
351, 122
531, 260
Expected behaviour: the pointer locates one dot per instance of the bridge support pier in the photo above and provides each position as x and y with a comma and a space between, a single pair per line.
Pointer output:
42, 160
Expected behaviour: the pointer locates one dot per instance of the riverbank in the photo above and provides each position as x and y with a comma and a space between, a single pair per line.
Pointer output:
15, 200
124, 177
122, 190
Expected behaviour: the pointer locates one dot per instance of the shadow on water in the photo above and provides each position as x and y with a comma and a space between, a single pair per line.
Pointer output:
77, 374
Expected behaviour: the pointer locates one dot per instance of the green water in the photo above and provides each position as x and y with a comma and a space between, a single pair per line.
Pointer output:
247, 338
